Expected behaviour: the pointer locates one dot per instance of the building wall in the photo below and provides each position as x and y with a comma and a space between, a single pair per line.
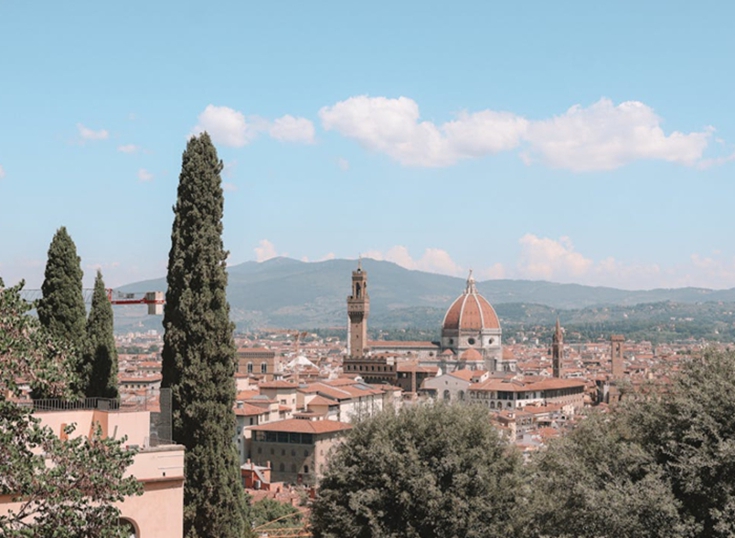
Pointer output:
158, 513
294, 463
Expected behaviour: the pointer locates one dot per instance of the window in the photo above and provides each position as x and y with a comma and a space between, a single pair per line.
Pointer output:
471, 341
283, 452
129, 527
281, 466
293, 467
250, 367
306, 469
260, 450
263, 367
306, 453
293, 451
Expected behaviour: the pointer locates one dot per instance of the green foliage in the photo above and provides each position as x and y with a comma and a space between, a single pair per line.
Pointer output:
429, 470
663, 466
600, 482
100, 355
690, 431
64, 488
28, 351
61, 310
199, 350
269, 510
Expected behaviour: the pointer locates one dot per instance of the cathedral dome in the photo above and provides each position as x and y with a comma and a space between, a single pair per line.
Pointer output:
470, 312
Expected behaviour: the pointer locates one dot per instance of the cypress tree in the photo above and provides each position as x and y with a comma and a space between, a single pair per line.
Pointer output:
199, 350
61, 309
100, 356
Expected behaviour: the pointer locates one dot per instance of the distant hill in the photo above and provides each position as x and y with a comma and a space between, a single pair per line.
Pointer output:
288, 293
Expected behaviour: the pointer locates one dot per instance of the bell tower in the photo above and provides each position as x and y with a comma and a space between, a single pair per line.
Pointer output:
557, 350
358, 308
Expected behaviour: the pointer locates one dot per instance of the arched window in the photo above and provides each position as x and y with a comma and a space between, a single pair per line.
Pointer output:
461, 396
263, 367
447, 395
281, 466
129, 526
250, 367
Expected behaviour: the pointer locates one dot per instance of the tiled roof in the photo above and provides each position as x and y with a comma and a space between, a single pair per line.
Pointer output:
280, 384
471, 311
471, 354
248, 410
295, 425
463, 374
321, 400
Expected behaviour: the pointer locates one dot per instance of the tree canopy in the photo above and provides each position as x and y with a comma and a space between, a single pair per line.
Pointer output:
100, 354
429, 470
61, 309
199, 350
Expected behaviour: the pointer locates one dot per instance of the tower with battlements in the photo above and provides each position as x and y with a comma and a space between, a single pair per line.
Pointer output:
358, 309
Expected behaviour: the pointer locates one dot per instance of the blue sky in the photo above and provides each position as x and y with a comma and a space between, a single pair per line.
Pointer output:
564, 141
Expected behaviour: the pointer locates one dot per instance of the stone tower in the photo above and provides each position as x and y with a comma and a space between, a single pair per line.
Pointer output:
358, 308
557, 350
616, 344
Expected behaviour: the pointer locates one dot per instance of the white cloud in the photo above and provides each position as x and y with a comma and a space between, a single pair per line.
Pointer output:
229, 127
88, 134
225, 125
343, 164
327, 256
392, 126
556, 260
2, 172
144, 175
434, 260
546, 259
265, 251
290, 129
229, 187
604, 136
708, 163
494, 272
128, 148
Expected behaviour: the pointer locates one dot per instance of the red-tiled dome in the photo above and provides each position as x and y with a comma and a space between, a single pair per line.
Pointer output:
471, 311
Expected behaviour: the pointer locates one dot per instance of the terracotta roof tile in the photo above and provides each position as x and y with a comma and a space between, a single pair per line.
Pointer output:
295, 425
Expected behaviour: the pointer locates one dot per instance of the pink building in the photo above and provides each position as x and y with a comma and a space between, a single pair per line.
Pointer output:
159, 511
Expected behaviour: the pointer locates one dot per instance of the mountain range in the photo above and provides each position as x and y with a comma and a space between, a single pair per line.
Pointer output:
287, 293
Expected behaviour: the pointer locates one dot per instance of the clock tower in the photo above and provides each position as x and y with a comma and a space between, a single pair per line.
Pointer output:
358, 308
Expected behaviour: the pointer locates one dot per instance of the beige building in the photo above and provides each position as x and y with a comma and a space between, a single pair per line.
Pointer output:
514, 394
296, 449
257, 361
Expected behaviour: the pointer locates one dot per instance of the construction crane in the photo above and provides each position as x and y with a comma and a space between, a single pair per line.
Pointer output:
154, 299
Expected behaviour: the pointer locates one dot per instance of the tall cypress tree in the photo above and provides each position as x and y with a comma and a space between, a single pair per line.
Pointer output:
61, 309
199, 350
100, 355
